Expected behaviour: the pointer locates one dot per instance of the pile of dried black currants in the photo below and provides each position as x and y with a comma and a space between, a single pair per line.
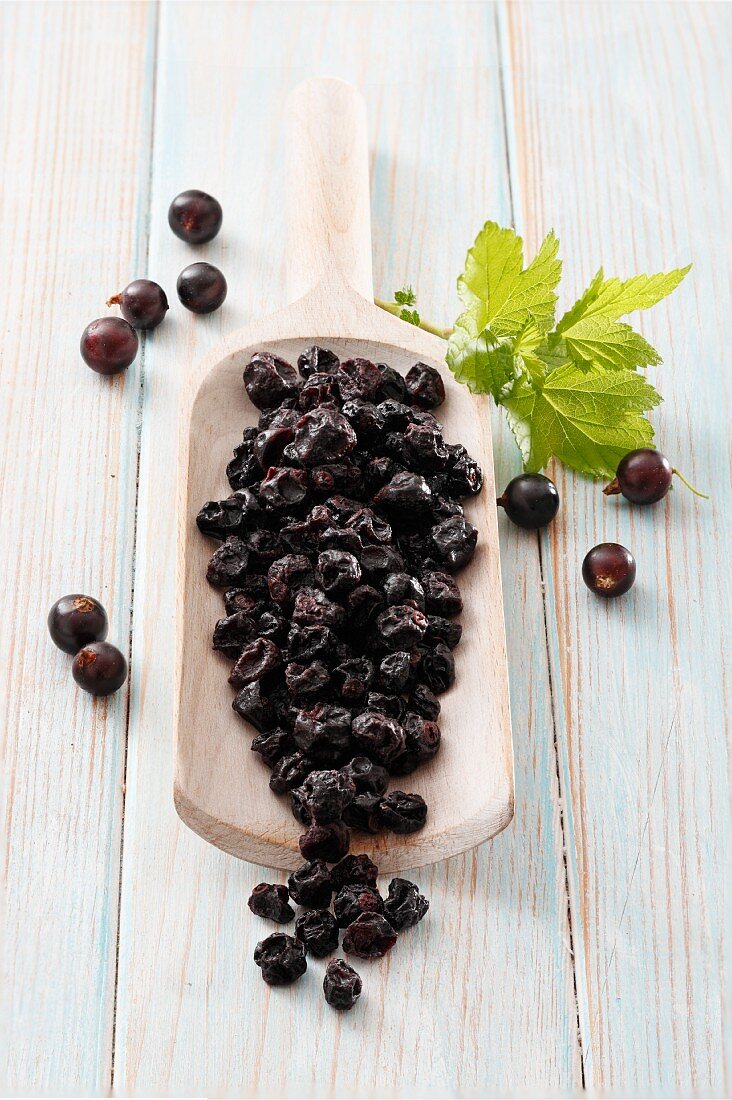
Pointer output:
338, 547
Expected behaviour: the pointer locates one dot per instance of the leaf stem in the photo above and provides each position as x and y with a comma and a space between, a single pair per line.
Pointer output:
696, 492
395, 310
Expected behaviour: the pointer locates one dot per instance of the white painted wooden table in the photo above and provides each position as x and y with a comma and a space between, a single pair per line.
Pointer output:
584, 946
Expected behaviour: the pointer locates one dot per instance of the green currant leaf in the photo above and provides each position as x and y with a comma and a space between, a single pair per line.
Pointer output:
598, 341
612, 298
405, 297
502, 294
588, 421
483, 363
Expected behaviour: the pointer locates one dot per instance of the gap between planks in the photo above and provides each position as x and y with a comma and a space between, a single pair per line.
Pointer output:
142, 259
504, 71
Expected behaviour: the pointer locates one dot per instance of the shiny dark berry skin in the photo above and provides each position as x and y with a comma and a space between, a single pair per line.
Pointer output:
530, 500
75, 621
609, 570
201, 288
325, 795
318, 931
369, 937
405, 906
108, 345
403, 813
195, 217
143, 303
354, 899
353, 870
281, 959
99, 668
311, 885
271, 901
327, 842
342, 986
643, 477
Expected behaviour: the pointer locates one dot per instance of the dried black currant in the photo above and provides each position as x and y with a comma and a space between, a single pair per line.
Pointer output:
443, 630
281, 959
341, 985
442, 595
325, 794
406, 498
368, 777
394, 672
313, 608
323, 730
403, 813
310, 885
269, 380
424, 702
359, 378
273, 745
454, 542
233, 633
381, 737
318, 931
271, 901
369, 937
405, 906
400, 627
353, 899
322, 435
317, 360
337, 572
401, 588
425, 386
353, 678
307, 682
259, 658
422, 743
327, 842
290, 772
437, 668
252, 704
363, 814
229, 563
353, 870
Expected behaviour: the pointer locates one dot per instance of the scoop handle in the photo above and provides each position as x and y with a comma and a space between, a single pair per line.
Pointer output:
328, 209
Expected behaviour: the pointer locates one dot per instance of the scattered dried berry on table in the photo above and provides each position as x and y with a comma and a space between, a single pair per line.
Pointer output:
281, 959
369, 937
318, 931
271, 901
341, 985
353, 900
311, 885
405, 906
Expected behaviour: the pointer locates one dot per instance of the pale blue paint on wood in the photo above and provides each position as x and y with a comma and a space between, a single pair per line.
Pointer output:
192, 1010
639, 182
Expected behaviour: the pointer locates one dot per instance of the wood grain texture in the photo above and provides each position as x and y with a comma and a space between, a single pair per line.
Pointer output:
75, 153
461, 1006
642, 699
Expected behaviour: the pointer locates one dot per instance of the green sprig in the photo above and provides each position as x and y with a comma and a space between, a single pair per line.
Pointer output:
571, 388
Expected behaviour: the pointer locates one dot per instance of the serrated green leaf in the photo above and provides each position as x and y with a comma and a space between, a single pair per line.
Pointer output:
588, 421
609, 344
612, 298
410, 316
405, 297
582, 304
484, 364
499, 292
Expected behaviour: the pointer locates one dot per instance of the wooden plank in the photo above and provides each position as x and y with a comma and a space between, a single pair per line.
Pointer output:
76, 136
622, 141
481, 995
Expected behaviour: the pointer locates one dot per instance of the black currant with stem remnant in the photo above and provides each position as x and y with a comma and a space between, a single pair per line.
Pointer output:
143, 303
530, 501
644, 476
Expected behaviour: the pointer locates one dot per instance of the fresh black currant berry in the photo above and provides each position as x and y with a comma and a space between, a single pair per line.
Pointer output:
99, 668
195, 217
108, 345
609, 570
643, 477
75, 621
201, 288
530, 500
142, 302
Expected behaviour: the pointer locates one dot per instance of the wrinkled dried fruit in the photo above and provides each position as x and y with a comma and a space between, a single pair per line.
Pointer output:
271, 901
281, 959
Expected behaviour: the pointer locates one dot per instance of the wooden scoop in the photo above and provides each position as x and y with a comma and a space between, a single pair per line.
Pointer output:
221, 788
